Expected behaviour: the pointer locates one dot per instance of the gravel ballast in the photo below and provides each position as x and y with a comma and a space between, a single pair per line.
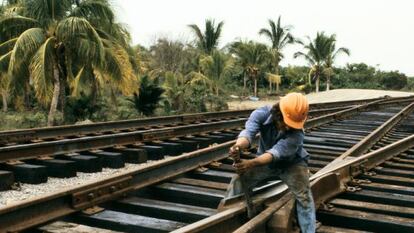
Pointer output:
29, 191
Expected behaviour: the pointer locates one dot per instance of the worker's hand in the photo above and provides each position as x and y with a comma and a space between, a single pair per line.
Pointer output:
243, 166
234, 150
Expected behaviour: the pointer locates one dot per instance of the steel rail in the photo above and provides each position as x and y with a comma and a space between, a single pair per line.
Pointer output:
348, 112
324, 111
248, 227
59, 132
39, 149
30, 213
357, 102
24, 135
357, 150
27, 151
365, 144
336, 176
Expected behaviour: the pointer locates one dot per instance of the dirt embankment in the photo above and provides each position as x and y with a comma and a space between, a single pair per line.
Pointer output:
325, 96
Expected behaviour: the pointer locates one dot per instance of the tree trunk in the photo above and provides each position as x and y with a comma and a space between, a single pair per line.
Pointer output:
94, 93
55, 98
255, 86
317, 84
270, 86
328, 82
113, 98
4, 95
62, 94
277, 73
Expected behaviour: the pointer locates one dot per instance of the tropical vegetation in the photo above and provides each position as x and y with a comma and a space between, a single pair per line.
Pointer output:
63, 61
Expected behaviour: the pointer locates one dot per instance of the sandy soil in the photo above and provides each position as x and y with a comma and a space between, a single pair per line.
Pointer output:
325, 96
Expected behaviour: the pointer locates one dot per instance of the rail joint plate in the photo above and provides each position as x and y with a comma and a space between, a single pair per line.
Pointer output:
100, 193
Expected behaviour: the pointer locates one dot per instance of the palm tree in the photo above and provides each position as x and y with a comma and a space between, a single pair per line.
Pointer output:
253, 57
217, 67
328, 70
207, 41
318, 51
61, 45
280, 37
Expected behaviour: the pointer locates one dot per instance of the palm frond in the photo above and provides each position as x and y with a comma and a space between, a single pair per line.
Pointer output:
197, 32
342, 50
13, 26
4, 62
118, 70
11, 10
26, 45
196, 78
306, 56
217, 33
47, 11
266, 33
77, 81
79, 36
41, 71
7, 46
94, 11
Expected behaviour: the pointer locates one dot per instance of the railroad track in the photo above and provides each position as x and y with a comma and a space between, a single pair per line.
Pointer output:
30, 156
342, 176
34, 135
201, 190
381, 199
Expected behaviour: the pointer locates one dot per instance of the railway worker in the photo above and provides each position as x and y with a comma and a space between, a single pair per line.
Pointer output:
280, 153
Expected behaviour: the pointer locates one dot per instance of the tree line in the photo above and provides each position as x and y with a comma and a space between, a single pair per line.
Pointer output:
72, 57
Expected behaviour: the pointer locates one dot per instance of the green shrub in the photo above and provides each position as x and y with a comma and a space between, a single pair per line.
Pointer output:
146, 101
82, 108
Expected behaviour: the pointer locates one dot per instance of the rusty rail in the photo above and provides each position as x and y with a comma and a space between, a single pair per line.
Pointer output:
336, 176
40, 210
34, 150
328, 176
236, 210
25, 135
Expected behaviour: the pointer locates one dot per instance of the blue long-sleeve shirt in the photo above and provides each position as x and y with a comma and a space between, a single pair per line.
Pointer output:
286, 147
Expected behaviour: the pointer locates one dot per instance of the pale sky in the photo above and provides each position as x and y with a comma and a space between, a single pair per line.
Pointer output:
378, 32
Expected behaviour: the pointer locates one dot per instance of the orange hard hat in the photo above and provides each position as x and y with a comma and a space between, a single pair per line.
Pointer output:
294, 108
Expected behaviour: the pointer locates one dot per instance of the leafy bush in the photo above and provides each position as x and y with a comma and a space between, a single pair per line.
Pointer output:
21, 120
146, 101
82, 108
393, 80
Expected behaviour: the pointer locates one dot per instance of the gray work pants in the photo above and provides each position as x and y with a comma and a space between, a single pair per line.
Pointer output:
296, 177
